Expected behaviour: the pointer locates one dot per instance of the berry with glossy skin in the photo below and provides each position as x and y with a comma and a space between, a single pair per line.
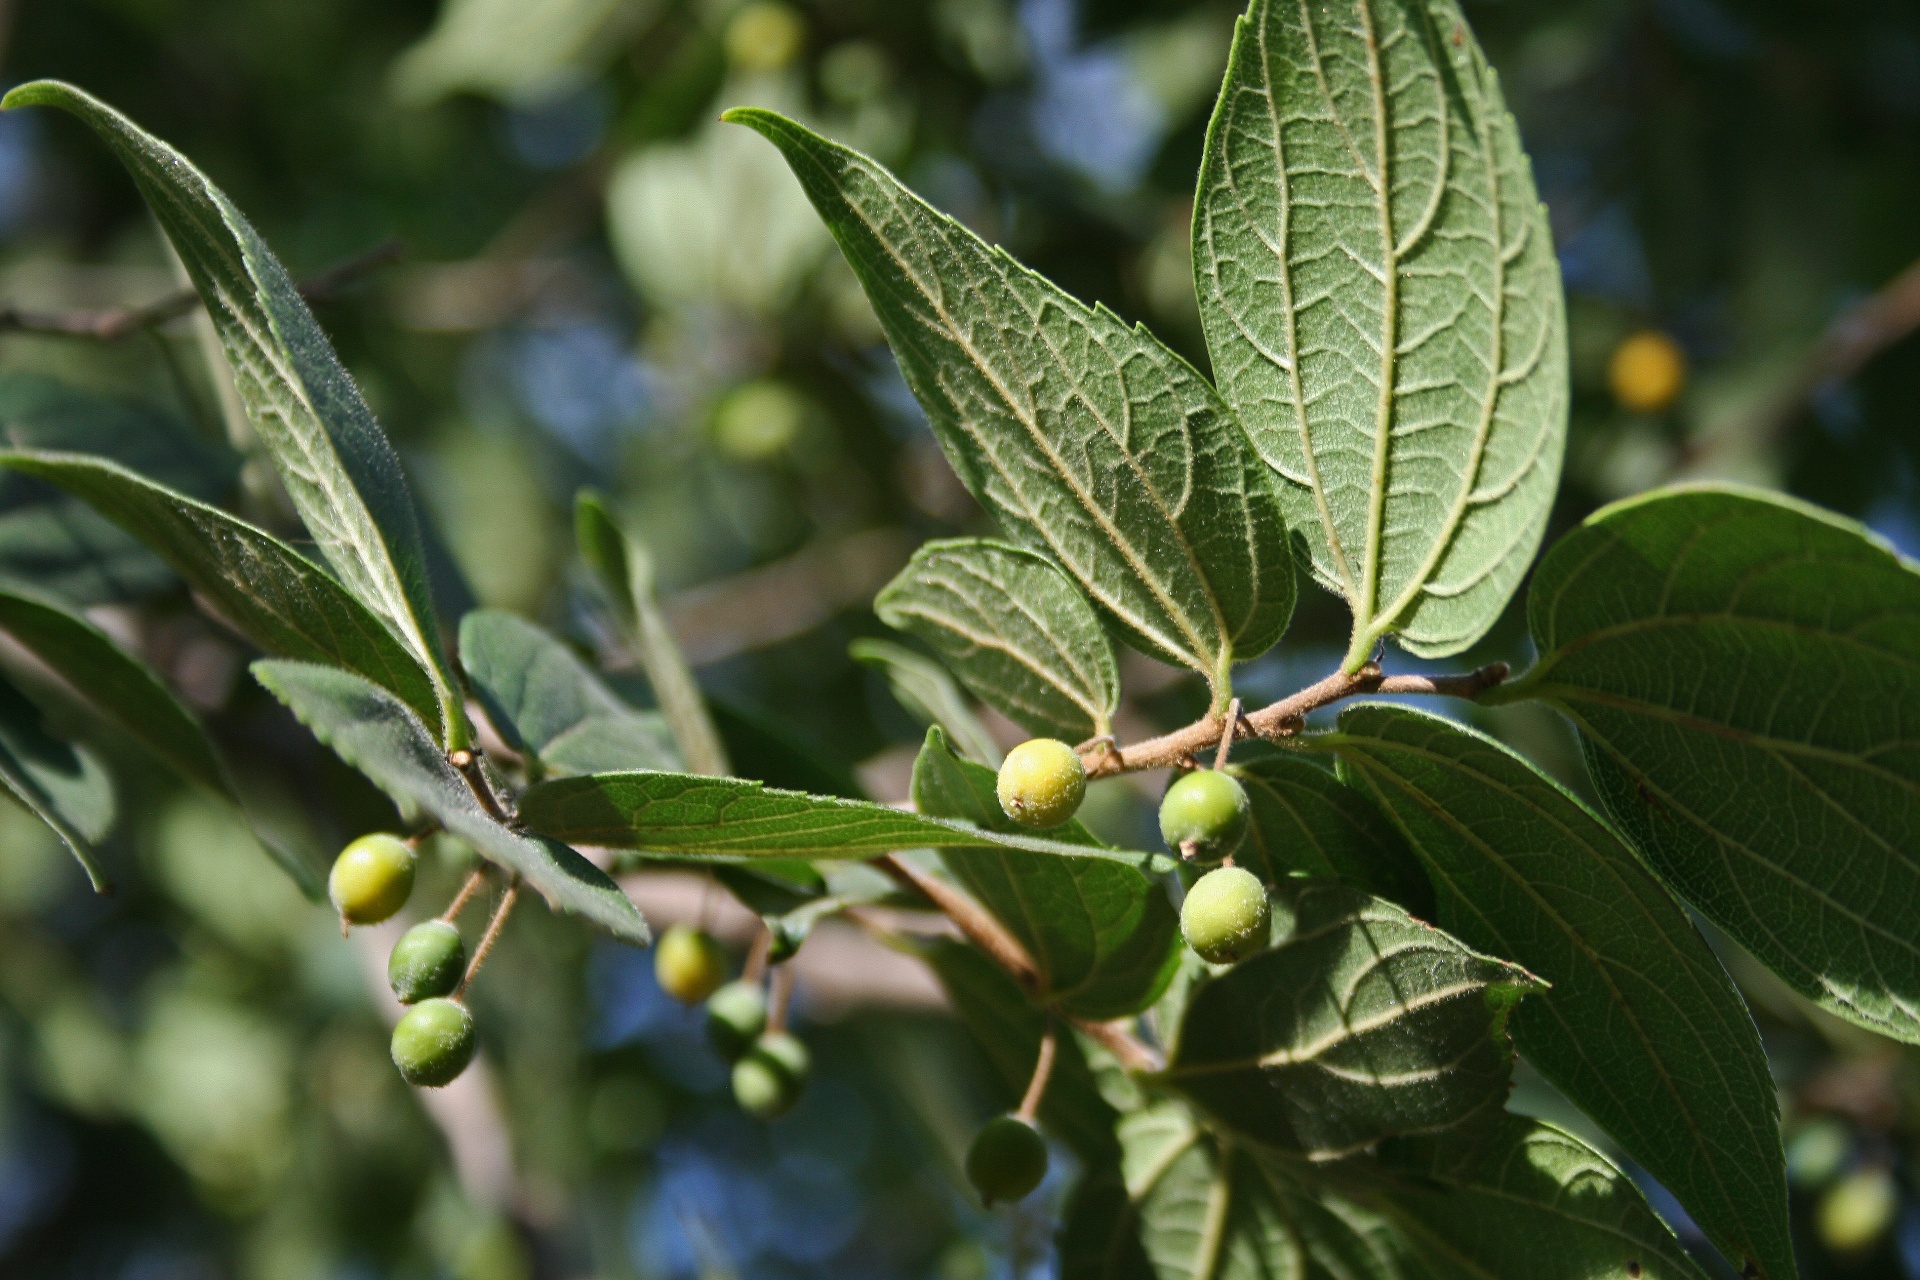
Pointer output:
1204, 816
689, 963
769, 1079
1041, 783
429, 960
736, 1016
1225, 917
1007, 1160
372, 878
1647, 372
433, 1042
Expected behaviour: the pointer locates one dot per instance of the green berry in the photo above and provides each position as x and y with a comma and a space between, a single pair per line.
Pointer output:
768, 1080
1007, 1160
1225, 917
429, 960
1041, 783
1204, 816
372, 878
433, 1042
689, 963
736, 1015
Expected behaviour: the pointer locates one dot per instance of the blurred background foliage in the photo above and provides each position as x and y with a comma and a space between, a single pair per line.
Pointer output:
578, 276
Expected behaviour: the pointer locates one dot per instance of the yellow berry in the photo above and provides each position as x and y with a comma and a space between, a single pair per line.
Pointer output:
689, 963
372, 878
1041, 783
764, 36
1647, 371
1857, 1210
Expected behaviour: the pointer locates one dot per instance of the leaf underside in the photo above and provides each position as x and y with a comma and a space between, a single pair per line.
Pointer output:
59, 782
923, 687
1306, 821
1641, 1027
1383, 308
1088, 440
1744, 671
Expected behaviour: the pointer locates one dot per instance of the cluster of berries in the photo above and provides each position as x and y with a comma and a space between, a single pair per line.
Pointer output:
769, 1066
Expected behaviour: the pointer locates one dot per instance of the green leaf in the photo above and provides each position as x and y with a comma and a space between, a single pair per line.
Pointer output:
336, 465
1088, 440
1210, 1209
1360, 1024
1641, 1027
545, 702
929, 694
126, 690
1008, 1029
372, 731
625, 571
1540, 1205
696, 816
269, 592
1383, 307
60, 783
1103, 936
58, 542
1016, 630
1306, 821
1745, 674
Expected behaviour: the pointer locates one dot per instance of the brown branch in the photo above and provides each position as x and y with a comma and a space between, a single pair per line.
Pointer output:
1282, 719
113, 323
468, 765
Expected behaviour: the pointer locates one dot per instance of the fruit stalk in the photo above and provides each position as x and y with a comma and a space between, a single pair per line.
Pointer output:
1042, 1071
495, 923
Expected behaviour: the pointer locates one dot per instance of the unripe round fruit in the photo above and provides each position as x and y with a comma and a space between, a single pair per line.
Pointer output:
1041, 783
433, 1042
429, 960
1857, 1210
1007, 1160
372, 878
1647, 371
1225, 917
1205, 815
768, 1080
689, 963
736, 1016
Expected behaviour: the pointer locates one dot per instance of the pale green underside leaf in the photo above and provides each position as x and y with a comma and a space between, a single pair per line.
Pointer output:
1308, 822
1540, 1205
1088, 440
1016, 630
545, 701
272, 594
1745, 673
59, 782
370, 729
1383, 308
1641, 1027
1103, 936
334, 462
1359, 1024
690, 815
929, 694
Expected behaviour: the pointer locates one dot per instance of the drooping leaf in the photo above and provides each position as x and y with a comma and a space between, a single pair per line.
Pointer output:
1745, 673
1360, 1024
336, 465
1307, 821
1088, 440
690, 815
1540, 1204
1641, 1027
1103, 936
929, 694
272, 594
56, 541
1381, 300
371, 730
126, 691
1016, 630
547, 703
1210, 1209
1008, 1028
59, 782
625, 571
